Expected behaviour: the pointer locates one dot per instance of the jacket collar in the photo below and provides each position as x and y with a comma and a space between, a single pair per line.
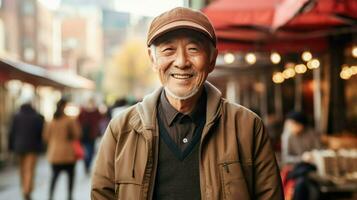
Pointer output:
214, 107
147, 109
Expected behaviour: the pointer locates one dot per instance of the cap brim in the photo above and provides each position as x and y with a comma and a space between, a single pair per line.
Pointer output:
178, 25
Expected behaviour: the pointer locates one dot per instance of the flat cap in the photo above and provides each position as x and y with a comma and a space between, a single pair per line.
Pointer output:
178, 18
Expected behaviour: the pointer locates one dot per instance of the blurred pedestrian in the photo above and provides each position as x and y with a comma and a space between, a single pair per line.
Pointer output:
297, 138
185, 141
26, 141
59, 135
89, 119
104, 121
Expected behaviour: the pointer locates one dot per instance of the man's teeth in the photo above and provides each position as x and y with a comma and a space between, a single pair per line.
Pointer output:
181, 76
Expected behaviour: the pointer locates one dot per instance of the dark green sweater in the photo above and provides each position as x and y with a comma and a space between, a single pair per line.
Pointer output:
177, 176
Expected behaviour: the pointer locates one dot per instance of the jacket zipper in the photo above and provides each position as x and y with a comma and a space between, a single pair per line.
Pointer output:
225, 165
154, 155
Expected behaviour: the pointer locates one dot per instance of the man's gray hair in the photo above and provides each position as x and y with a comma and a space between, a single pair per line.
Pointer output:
153, 52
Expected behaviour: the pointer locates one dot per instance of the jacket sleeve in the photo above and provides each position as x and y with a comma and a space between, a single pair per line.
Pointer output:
103, 182
267, 184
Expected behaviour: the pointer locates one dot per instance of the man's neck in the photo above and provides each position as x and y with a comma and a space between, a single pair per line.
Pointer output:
184, 106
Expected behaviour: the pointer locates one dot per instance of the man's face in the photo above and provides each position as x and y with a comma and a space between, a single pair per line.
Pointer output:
183, 61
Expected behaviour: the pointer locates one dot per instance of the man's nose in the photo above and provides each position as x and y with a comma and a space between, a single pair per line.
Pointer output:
181, 60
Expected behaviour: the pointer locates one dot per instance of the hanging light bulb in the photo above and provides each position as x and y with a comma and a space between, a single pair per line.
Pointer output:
278, 77
275, 57
313, 64
300, 68
306, 56
228, 58
345, 73
354, 51
250, 58
289, 73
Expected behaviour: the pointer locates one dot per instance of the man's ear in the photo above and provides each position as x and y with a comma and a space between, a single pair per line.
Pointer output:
153, 60
150, 55
213, 59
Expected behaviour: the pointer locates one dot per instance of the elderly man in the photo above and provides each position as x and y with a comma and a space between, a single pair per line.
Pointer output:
184, 141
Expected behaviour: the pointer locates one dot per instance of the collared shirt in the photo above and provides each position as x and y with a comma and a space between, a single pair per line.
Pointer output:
181, 127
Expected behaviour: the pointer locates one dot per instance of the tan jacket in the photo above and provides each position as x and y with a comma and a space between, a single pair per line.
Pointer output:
57, 135
236, 159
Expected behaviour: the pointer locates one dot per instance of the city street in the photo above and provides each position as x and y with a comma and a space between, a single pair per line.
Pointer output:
242, 91
10, 183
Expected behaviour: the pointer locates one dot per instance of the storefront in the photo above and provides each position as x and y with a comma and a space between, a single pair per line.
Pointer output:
21, 82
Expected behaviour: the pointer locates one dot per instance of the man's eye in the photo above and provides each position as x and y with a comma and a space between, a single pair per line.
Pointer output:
193, 49
167, 49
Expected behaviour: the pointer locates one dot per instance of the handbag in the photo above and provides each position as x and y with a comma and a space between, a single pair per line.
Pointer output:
76, 145
78, 149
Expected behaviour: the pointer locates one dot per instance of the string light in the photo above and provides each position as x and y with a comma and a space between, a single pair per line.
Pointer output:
275, 57
278, 77
313, 64
345, 73
289, 73
300, 68
250, 58
228, 58
306, 56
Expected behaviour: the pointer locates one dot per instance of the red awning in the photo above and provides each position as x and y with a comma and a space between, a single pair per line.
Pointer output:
324, 14
260, 13
223, 13
290, 25
249, 21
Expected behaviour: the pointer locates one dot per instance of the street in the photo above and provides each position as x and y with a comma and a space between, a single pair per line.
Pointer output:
10, 183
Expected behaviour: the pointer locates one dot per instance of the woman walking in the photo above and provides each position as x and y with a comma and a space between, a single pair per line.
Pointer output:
59, 135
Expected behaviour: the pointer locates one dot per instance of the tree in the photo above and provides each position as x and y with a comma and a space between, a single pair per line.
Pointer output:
129, 72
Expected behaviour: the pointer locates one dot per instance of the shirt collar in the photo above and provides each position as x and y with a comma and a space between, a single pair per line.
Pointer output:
170, 113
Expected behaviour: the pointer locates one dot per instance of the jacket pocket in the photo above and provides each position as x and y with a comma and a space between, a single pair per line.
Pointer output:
130, 165
233, 182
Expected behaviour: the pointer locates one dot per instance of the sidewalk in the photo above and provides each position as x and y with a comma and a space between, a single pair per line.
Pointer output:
10, 183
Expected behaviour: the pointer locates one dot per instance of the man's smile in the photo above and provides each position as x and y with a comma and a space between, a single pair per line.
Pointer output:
181, 76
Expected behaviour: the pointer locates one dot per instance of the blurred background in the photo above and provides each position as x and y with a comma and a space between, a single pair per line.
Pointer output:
275, 56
